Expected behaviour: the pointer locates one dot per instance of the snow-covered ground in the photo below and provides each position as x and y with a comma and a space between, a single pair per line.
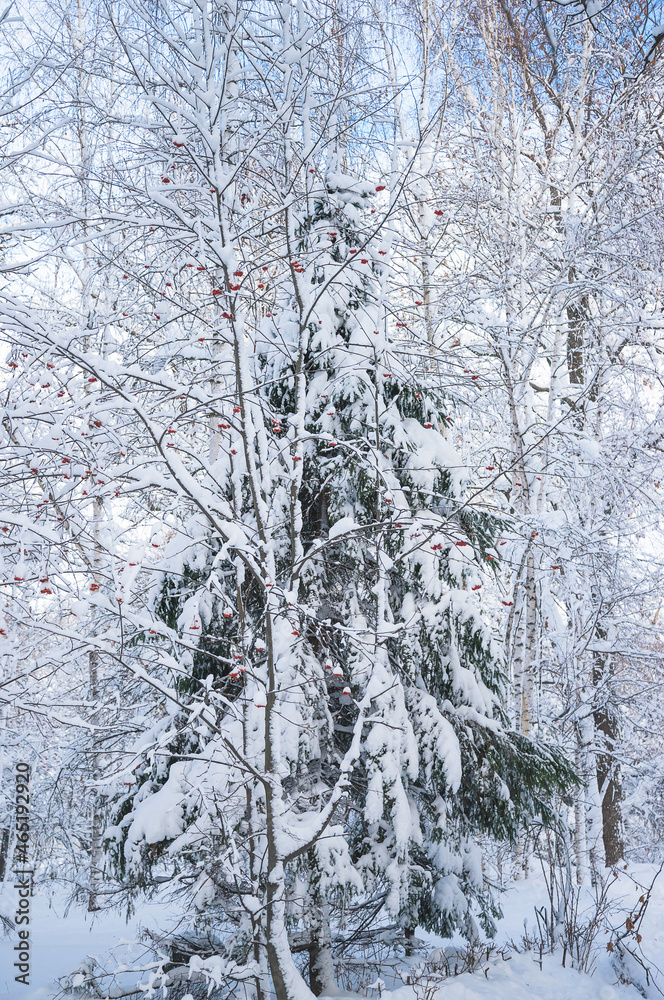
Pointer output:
520, 978
60, 943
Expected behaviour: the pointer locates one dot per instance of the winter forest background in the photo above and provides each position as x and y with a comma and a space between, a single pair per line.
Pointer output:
332, 450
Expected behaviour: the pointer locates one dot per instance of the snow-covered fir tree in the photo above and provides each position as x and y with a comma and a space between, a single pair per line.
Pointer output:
334, 730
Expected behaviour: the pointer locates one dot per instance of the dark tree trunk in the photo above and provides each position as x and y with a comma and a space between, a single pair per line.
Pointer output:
321, 962
607, 727
4, 852
409, 934
315, 978
605, 717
